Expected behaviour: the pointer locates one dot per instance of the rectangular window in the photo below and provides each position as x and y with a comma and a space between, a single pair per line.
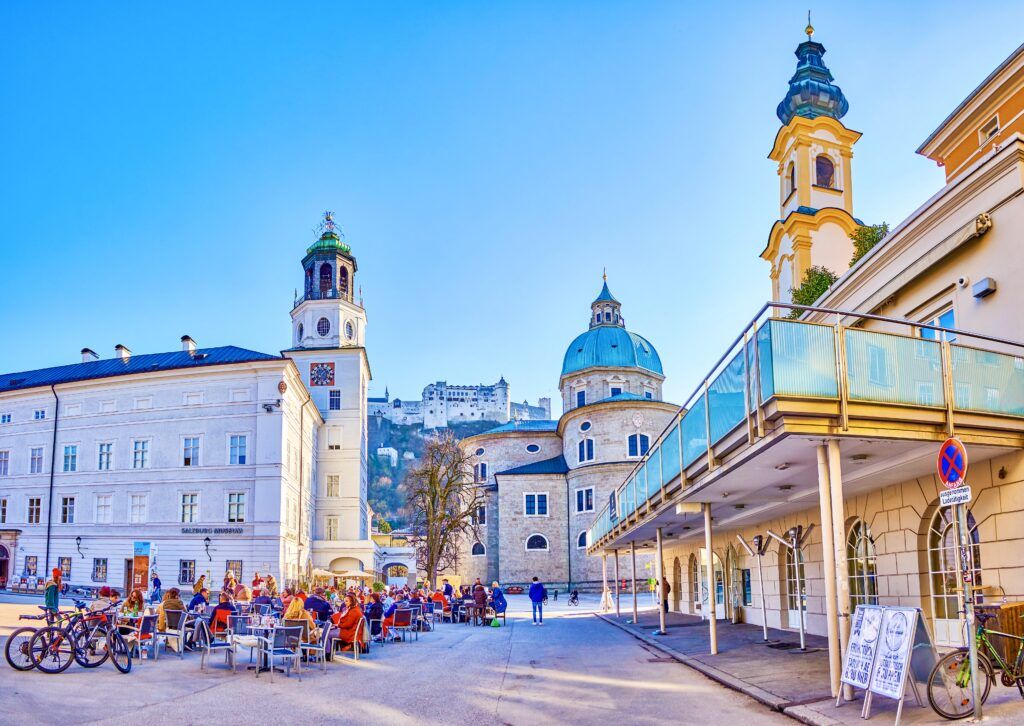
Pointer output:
334, 400
140, 454
189, 508
71, 458
3, 511
989, 130
137, 511
5, 462
481, 515
585, 450
104, 508
585, 500
536, 505
945, 319
581, 398
105, 457
480, 472
99, 569
235, 568
5, 418
39, 414
67, 510
748, 598
615, 390
332, 528
333, 485
190, 452
186, 572
35, 460
238, 446
333, 438
34, 508
31, 564
236, 507
64, 563
878, 366
648, 395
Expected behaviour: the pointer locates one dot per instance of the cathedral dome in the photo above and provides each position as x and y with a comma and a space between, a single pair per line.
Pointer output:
610, 346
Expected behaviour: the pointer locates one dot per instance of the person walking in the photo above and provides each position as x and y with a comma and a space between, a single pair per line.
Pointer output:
537, 595
158, 592
51, 593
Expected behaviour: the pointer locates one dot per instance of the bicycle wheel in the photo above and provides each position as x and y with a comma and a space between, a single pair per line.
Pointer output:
16, 649
51, 650
91, 649
120, 653
950, 692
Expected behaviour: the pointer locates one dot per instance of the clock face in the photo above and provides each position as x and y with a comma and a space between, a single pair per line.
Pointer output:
321, 374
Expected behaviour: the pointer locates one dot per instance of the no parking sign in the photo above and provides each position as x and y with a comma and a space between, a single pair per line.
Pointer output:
952, 463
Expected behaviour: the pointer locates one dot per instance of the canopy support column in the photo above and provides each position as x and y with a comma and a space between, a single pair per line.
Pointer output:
632, 553
659, 582
618, 609
709, 563
829, 565
835, 475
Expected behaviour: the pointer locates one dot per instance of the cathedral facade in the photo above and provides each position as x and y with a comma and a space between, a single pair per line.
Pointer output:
546, 478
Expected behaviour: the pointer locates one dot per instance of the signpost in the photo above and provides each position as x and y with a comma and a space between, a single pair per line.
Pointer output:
952, 467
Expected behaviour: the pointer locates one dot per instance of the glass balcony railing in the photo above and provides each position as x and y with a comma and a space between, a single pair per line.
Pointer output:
782, 358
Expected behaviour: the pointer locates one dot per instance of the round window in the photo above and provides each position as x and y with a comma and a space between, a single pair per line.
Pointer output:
533, 448
479, 452
350, 332
585, 426
323, 327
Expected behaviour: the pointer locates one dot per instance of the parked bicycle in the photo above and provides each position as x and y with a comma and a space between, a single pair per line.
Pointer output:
950, 690
16, 649
87, 637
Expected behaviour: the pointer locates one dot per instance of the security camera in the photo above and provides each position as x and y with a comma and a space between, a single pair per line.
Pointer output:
962, 282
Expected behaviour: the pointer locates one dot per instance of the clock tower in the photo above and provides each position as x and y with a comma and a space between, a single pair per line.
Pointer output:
328, 336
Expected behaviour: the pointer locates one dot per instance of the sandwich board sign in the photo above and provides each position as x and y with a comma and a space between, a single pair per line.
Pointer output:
904, 655
862, 646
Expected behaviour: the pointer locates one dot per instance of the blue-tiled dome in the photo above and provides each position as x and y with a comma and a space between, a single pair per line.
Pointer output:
610, 346
811, 91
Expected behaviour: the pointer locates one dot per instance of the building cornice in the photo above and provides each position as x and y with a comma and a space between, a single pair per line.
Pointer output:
602, 406
800, 224
801, 130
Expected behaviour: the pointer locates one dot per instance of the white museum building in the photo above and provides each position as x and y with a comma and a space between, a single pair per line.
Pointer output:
199, 460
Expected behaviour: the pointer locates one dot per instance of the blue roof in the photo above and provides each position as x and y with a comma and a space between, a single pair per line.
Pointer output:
544, 425
610, 346
605, 295
811, 91
556, 465
147, 363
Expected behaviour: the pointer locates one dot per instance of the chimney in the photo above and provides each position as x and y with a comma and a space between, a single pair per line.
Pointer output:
122, 352
188, 345
88, 354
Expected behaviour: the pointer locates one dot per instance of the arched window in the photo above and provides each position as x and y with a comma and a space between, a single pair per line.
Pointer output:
537, 542
791, 179
694, 584
343, 280
586, 450
942, 573
825, 172
480, 472
326, 277
639, 444
860, 555
796, 581
581, 541
478, 550
301, 330
309, 280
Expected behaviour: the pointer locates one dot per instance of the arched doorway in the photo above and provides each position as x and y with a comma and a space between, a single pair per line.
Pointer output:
794, 590
677, 583
5, 566
860, 556
942, 574
694, 571
719, 585
734, 584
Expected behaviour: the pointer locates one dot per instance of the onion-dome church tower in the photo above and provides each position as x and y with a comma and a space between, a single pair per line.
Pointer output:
813, 150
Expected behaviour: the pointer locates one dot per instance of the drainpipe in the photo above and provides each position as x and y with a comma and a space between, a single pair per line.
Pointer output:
568, 538
53, 467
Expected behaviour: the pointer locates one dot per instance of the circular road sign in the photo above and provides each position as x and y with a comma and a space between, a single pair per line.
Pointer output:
952, 463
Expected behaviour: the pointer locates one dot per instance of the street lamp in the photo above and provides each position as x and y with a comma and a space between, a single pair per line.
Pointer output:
206, 543
78, 544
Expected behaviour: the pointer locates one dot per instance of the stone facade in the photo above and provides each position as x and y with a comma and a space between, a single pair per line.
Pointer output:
442, 404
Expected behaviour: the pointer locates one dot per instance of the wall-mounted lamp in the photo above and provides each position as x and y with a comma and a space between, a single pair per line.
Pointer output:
78, 544
206, 543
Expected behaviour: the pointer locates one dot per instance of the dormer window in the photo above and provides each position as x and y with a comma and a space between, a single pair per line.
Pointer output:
989, 130
825, 172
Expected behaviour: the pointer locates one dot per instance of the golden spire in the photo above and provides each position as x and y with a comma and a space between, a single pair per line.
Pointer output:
810, 28
604, 274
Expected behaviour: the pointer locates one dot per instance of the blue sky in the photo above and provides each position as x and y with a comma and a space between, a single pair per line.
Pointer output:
163, 168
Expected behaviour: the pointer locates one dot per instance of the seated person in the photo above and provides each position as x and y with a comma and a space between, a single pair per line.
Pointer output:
347, 623
221, 612
298, 613
316, 604
498, 601
375, 614
202, 597
135, 605
263, 599
389, 615
172, 601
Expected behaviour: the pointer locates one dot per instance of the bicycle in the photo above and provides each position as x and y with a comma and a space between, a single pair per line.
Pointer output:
574, 598
16, 649
950, 690
87, 637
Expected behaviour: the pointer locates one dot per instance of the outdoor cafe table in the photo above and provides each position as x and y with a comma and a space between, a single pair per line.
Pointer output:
264, 664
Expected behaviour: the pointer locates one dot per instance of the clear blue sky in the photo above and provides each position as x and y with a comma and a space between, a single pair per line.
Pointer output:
163, 168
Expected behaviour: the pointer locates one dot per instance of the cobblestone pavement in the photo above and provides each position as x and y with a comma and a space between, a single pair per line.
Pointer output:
575, 669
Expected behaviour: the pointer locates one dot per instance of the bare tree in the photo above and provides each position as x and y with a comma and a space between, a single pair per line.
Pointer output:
444, 500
